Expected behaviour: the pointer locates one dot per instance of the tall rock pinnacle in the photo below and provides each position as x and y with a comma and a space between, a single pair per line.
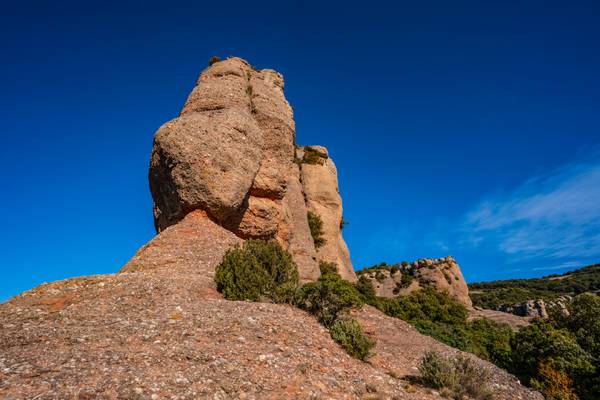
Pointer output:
231, 153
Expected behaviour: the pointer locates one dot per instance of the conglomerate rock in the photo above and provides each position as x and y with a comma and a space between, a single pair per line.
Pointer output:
164, 333
231, 154
320, 184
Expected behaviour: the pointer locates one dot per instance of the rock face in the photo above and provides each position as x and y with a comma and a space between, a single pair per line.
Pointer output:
161, 331
320, 183
231, 154
442, 274
530, 308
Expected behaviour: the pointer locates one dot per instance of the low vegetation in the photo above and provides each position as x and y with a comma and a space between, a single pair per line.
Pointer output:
494, 294
457, 377
343, 223
262, 270
349, 334
559, 356
213, 59
315, 223
328, 298
313, 156
437, 315
257, 270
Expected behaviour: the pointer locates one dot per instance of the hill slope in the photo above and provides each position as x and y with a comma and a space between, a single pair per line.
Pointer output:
161, 330
496, 293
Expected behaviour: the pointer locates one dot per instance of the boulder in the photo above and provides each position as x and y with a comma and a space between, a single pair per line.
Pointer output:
204, 161
530, 308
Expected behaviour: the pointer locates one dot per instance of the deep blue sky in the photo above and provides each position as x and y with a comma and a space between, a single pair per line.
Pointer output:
463, 128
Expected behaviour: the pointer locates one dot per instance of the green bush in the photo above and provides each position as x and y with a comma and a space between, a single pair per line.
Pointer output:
343, 223
349, 334
327, 268
313, 156
328, 298
426, 304
542, 342
437, 315
459, 377
583, 319
366, 289
257, 270
405, 280
496, 293
213, 59
490, 340
437, 371
315, 223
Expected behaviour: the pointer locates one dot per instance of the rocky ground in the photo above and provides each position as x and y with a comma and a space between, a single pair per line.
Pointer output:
165, 333
516, 322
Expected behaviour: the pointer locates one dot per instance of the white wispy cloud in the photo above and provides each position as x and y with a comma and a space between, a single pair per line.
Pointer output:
552, 217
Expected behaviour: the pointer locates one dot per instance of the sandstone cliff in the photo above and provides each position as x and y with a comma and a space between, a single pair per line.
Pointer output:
231, 154
442, 274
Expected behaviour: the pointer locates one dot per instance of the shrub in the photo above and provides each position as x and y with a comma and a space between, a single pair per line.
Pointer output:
405, 280
343, 223
428, 305
315, 223
327, 268
259, 269
472, 379
583, 319
213, 59
328, 298
366, 289
349, 334
460, 377
437, 371
490, 340
313, 156
553, 384
542, 342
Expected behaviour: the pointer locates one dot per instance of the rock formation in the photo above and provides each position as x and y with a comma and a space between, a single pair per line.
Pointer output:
231, 154
530, 308
442, 274
221, 172
322, 194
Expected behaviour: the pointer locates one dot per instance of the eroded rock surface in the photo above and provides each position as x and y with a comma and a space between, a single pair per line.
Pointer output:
322, 194
231, 155
530, 308
164, 333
